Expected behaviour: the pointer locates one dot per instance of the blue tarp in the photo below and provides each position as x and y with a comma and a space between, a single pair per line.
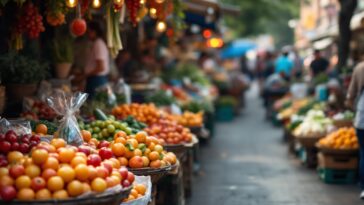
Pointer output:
237, 49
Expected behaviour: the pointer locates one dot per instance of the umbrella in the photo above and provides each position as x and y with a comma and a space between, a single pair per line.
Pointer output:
237, 49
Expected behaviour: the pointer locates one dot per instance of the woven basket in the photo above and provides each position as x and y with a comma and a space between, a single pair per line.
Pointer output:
332, 151
343, 123
179, 150
101, 199
309, 141
155, 173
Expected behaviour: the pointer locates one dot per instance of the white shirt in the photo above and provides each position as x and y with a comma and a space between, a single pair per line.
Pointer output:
98, 51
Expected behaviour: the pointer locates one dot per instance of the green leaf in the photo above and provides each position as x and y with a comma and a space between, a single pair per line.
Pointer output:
130, 147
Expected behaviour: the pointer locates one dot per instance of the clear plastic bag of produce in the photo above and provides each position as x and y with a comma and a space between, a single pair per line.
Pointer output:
148, 194
67, 105
20, 127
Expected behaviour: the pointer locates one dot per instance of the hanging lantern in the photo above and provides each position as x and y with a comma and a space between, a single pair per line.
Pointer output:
161, 26
142, 2
159, 1
96, 4
71, 3
153, 13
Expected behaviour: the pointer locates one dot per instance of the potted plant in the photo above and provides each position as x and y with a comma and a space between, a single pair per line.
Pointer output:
21, 74
62, 51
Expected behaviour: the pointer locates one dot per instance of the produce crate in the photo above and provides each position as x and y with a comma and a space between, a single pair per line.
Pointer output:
308, 157
335, 176
340, 162
225, 113
171, 189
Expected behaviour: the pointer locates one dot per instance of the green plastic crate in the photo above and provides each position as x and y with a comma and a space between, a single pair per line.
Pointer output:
335, 176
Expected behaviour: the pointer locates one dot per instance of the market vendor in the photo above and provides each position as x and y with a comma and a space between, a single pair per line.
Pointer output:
97, 65
356, 94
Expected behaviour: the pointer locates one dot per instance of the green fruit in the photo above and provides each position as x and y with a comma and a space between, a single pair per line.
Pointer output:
93, 124
96, 129
110, 139
108, 122
111, 129
98, 123
112, 117
95, 136
105, 133
128, 131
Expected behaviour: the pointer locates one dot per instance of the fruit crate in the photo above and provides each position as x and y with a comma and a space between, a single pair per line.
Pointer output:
335, 176
225, 113
340, 162
308, 157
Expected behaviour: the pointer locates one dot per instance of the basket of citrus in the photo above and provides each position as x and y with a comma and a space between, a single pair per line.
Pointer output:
57, 173
343, 140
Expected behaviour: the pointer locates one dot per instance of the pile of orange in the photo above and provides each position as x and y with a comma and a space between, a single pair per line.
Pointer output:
141, 150
170, 132
56, 170
146, 113
137, 192
190, 119
343, 138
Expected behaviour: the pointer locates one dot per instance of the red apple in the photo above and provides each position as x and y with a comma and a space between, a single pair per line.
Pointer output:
103, 143
105, 153
131, 177
2, 137
24, 148
48, 173
126, 183
123, 173
8, 193
11, 137
16, 170
84, 149
102, 172
108, 166
94, 160
35, 138
38, 183
5, 146
15, 146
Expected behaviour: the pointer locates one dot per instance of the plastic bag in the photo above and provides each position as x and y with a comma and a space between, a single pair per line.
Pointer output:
20, 127
148, 194
67, 105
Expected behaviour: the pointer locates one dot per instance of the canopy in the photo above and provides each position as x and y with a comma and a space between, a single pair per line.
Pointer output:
237, 49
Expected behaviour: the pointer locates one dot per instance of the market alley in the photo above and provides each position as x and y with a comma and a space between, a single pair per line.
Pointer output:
247, 164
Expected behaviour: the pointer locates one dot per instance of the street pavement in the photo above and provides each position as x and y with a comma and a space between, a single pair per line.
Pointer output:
246, 163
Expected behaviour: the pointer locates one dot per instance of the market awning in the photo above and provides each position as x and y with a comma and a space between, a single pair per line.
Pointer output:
237, 49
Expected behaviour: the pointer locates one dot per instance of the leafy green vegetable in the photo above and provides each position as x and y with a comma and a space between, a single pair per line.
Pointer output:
161, 98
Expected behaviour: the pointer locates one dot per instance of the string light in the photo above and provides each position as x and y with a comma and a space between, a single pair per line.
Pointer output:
119, 2
96, 4
71, 3
153, 13
161, 26
159, 1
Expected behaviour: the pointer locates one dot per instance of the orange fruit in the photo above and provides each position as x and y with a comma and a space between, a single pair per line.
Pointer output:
117, 179
136, 162
153, 156
98, 185
82, 172
123, 161
86, 135
155, 164
48, 173
134, 193
66, 155
94, 141
121, 140
4, 171
78, 160
141, 188
39, 156
58, 142
146, 161
75, 188
128, 154
92, 172
41, 129
86, 187
133, 142
51, 163
118, 149
14, 157
158, 148
60, 194
115, 163
6, 181
55, 183
25, 194
66, 173
138, 152
141, 137
23, 182
147, 151
119, 134
43, 194
111, 181
32, 171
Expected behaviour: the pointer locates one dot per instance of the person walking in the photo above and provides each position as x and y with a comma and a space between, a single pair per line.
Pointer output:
97, 66
356, 94
319, 64
284, 66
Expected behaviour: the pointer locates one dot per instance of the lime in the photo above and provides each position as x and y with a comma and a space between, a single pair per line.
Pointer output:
105, 133
111, 129
95, 136
128, 131
96, 129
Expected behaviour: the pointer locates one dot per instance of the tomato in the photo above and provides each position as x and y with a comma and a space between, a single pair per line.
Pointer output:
43, 194
55, 183
155, 164
98, 185
16, 170
86, 187
60, 194
58, 142
153, 156
131, 177
105, 153
66, 155
38, 183
94, 160
67, 173
136, 162
75, 188
102, 172
78, 27
7, 193
78, 160
123, 161
92, 172
15, 157
86, 135
141, 137
48, 173
118, 149
23, 182
6, 181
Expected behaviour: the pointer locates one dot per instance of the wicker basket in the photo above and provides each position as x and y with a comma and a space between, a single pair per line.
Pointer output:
309, 141
332, 151
155, 173
114, 198
179, 150
343, 123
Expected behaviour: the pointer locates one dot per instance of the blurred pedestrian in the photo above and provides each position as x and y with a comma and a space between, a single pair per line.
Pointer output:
319, 64
284, 65
97, 66
356, 94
